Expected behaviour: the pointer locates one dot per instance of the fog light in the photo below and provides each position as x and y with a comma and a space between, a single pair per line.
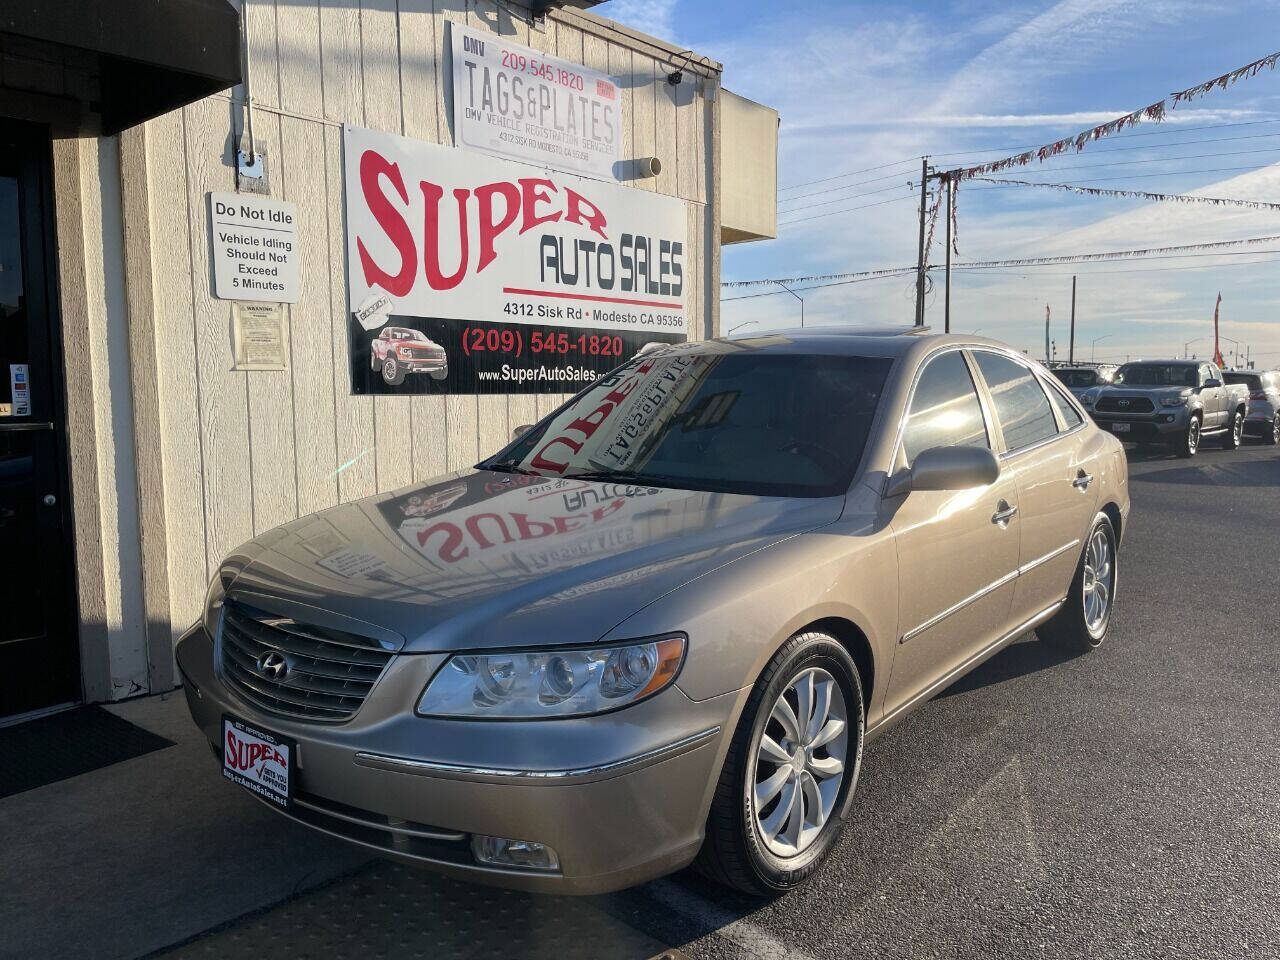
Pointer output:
504, 852
1167, 418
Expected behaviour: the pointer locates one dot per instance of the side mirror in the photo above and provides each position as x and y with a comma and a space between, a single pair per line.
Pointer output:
946, 468
521, 430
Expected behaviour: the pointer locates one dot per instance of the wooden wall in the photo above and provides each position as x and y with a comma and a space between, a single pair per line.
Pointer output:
238, 453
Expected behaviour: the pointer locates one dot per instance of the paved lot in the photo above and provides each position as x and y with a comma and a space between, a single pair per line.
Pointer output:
1121, 804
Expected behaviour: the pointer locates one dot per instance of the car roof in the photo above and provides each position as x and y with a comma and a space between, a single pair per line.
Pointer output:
855, 341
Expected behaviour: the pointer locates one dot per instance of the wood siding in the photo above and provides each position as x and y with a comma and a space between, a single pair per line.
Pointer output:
237, 453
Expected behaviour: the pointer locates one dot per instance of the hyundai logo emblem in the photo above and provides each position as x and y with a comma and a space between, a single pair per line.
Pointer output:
273, 665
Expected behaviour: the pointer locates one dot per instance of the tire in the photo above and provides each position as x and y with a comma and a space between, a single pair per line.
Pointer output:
1232, 439
1272, 436
1190, 442
441, 374
392, 372
1078, 627
737, 852
373, 361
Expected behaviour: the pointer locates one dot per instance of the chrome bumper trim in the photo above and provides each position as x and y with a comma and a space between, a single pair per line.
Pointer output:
429, 768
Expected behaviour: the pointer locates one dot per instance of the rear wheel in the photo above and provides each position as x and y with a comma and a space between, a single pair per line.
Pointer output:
1272, 436
1085, 617
1190, 442
791, 768
1232, 439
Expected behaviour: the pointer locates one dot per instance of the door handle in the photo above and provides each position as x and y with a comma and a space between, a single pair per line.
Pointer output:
1004, 513
1082, 480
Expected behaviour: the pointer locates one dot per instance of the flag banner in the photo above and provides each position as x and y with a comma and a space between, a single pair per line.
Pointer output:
1136, 194
1154, 112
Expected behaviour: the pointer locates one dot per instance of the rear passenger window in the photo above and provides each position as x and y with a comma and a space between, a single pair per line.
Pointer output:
1063, 406
1021, 404
945, 411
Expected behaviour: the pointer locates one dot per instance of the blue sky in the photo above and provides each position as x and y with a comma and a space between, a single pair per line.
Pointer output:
862, 85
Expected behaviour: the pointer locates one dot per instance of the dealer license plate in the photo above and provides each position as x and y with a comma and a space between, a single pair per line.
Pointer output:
258, 760
1120, 428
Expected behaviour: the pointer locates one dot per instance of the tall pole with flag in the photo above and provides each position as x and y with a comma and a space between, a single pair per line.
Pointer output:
1217, 353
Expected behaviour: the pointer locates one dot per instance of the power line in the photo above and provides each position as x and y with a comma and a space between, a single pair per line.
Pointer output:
851, 173
1139, 253
819, 216
1184, 143
852, 196
1026, 146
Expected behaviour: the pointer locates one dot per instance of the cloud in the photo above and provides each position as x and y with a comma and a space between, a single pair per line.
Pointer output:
657, 18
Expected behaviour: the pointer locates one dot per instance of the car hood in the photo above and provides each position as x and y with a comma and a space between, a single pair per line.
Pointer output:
1124, 390
482, 559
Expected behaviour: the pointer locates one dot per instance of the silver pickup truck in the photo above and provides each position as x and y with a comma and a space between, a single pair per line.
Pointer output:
1171, 402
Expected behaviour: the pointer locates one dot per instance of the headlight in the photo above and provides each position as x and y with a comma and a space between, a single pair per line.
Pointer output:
1173, 401
1086, 399
534, 684
213, 604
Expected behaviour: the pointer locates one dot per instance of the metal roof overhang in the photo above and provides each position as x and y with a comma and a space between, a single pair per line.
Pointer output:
147, 56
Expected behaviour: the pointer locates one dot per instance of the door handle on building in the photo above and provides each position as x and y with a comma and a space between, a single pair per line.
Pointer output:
1004, 513
1082, 480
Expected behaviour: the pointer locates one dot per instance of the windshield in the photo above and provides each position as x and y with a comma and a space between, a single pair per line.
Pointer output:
716, 418
1157, 375
1077, 378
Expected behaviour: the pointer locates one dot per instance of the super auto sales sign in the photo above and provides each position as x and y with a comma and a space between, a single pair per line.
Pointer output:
472, 274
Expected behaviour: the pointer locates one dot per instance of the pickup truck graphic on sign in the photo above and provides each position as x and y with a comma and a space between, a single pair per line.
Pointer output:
398, 351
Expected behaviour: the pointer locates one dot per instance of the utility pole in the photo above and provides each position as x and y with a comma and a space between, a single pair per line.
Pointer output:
797, 296
1046, 333
920, 266
1071, 349
947, 302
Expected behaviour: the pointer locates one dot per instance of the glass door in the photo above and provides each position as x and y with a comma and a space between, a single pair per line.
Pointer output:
39, 666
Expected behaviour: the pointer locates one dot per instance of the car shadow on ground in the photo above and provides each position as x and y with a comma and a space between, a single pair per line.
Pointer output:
1026, 656
1252, 473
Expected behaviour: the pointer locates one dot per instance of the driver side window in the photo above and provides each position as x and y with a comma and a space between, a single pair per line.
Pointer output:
945, 411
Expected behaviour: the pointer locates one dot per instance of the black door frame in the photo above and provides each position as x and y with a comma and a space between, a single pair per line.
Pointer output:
38, 221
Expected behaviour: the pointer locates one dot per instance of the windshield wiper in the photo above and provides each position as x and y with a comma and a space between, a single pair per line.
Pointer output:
630, 476
505, 467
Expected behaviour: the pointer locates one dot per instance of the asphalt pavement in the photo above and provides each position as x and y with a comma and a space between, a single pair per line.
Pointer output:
1124, 803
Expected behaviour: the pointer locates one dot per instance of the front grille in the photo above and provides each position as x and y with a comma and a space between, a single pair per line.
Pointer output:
1125, 405
329, 672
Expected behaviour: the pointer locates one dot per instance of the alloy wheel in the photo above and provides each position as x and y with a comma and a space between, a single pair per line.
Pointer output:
1275, 429
800, 763
1193, 435
1237, 429
1099, 580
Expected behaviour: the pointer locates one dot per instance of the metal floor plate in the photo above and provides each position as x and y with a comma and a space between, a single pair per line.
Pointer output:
393, 911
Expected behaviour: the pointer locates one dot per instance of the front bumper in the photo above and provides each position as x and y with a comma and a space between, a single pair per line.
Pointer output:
423, 364
1164, 425
620, 797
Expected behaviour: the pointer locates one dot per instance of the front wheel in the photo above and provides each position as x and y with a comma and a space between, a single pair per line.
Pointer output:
1232, 439
1272, 436
1190, 442
1081, 624
441, 374
790, 771
392, 372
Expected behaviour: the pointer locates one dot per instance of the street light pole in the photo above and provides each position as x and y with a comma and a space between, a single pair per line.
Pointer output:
1093, 347
739, 326
1234, 353
1071, 350
797, 296
1189, 343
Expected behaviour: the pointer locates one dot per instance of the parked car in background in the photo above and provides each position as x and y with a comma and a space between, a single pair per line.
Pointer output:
661, 625
398, 351
1262, 418
1173, 402
1083, 377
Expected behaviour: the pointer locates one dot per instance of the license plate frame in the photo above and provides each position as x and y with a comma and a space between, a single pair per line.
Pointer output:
257, 760
1122, 428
